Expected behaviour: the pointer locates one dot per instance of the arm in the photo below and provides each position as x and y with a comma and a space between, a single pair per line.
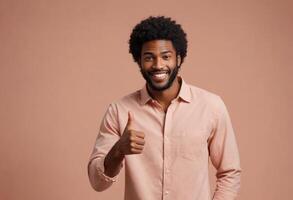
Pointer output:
110, 150
107, 137
131, 142
225, 156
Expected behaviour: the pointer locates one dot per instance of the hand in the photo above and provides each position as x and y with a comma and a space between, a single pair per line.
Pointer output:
131, 141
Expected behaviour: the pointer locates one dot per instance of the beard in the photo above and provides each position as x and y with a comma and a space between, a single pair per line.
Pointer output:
172, 74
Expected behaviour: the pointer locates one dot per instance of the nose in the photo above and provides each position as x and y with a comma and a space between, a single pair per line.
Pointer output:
158, 63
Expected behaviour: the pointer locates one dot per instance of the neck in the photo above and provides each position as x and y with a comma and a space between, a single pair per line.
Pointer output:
166, 96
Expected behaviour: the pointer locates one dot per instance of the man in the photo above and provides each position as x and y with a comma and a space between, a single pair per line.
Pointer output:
166, 132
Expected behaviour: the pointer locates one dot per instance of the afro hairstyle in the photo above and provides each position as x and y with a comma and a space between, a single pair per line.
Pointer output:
157, 28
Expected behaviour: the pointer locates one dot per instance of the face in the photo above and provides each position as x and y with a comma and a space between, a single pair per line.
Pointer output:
159, 64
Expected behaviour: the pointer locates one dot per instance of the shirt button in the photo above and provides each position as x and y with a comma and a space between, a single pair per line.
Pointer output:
167, 192
168, 171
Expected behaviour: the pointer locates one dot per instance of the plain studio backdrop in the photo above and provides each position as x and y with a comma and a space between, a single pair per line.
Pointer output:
63, 62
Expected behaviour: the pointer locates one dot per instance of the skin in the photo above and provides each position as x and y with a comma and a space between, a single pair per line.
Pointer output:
131, 142
160, 55
156, 55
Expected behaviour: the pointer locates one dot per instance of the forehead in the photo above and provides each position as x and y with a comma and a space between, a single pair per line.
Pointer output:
157, 46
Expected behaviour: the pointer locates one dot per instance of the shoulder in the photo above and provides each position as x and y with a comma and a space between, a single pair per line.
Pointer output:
200, 94
127, 100
207, 98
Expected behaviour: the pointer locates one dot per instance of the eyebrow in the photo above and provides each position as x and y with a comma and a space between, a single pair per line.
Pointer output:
150, 53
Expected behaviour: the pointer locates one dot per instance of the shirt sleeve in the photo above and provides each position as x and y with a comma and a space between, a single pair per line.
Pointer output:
108, 135
225, 156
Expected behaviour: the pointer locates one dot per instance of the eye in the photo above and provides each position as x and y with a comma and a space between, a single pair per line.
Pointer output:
148, 58
166, 57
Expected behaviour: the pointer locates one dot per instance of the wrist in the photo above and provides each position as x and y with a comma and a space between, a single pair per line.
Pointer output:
118, 153
113, 161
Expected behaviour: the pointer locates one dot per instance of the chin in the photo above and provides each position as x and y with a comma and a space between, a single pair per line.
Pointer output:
160, 87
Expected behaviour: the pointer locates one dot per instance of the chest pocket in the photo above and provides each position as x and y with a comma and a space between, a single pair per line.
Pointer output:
191, 144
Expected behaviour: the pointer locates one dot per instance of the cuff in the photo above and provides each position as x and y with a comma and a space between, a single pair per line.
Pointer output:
101, 171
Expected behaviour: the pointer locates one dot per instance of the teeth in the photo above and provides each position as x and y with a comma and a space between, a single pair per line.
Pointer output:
155, 73
159, 75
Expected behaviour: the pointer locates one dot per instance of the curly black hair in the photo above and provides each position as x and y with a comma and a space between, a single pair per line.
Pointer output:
157, 28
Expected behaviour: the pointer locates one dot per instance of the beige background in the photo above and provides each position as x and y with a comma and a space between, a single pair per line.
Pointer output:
62, 63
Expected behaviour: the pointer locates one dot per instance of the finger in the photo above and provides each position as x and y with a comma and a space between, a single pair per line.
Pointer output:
135, 151
139, 147
140, 135
136, 146
130, 120
139, 141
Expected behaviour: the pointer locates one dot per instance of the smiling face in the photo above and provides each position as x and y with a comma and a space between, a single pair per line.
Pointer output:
159, 64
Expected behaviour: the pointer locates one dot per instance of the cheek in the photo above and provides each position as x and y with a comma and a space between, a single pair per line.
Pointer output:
146, 65
173, 62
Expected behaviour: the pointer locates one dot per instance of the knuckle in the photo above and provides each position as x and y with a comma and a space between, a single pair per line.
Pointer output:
142, 135
132, 144
132, 149
131, 138
132, 134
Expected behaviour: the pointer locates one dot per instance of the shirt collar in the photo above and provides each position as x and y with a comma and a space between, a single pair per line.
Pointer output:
184, 93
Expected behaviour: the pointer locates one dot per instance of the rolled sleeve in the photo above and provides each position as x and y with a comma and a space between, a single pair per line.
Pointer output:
224, 155
108, 135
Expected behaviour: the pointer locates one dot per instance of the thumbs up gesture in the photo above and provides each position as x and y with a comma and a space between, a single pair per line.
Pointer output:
131, 141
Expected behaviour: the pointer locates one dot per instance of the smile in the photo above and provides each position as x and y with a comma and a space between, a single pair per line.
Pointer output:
159, 76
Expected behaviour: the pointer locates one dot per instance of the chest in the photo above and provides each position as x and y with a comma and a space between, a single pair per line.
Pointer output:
177, 124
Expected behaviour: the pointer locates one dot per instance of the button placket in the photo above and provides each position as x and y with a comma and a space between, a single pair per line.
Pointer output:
167, 151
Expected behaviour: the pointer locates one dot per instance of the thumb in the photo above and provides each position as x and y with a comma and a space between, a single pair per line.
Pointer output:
130, 120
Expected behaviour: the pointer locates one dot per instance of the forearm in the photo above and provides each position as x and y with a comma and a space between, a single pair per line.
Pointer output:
228, 184
99, 181
103, 169
224, 155
113, 160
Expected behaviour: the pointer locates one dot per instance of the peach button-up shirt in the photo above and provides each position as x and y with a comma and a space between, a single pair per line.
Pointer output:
178, 145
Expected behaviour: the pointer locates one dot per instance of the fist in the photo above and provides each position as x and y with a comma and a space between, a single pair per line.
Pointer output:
131, 141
